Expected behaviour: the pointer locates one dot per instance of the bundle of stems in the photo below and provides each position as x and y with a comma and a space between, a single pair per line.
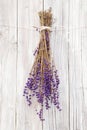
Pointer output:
43, 81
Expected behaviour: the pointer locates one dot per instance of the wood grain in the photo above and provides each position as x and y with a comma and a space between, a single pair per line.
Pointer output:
18, 40
8, 51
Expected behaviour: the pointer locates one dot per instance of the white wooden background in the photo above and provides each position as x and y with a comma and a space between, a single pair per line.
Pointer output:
17, 43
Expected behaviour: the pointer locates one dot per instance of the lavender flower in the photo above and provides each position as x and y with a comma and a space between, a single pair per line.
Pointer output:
43, 81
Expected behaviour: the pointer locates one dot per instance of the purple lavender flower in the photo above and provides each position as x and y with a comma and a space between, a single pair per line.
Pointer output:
43, 83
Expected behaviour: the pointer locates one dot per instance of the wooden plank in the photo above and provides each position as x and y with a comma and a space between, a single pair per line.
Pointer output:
59, 43
61, 60
8, 39
75, 63
83, 18
28, 39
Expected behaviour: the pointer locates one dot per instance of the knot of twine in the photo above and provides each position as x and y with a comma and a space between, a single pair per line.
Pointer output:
45, 28
41, 28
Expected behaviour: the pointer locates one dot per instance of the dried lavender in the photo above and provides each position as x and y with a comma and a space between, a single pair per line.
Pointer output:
43, 81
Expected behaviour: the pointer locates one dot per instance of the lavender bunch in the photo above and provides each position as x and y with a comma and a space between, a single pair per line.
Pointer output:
43, 81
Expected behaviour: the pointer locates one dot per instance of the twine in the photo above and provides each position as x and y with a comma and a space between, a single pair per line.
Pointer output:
57, 28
